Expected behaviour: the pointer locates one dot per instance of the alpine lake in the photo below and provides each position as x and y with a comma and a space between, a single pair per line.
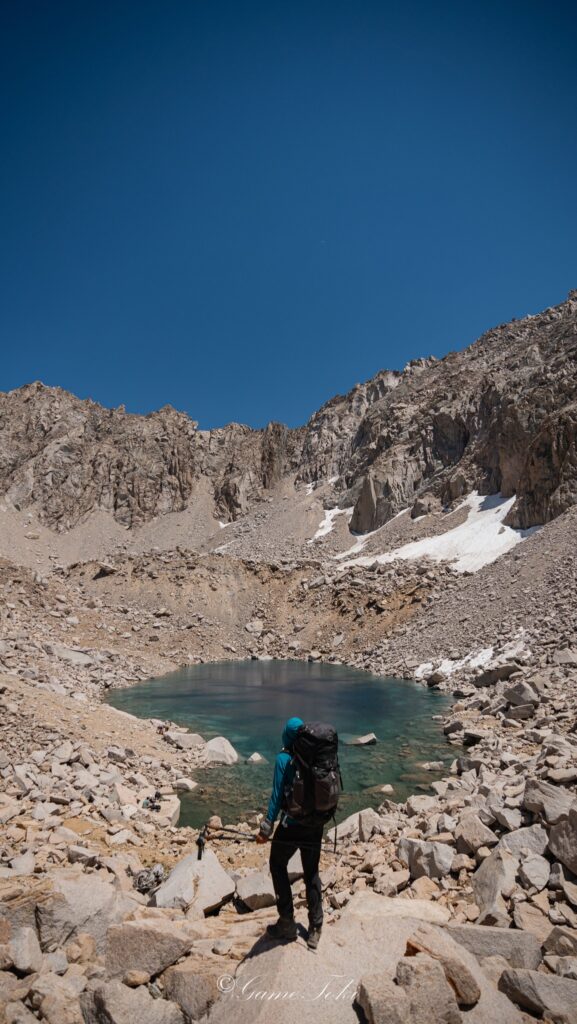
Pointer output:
249, 702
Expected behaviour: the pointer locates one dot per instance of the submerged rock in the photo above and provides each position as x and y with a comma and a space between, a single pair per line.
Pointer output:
220, 751
369, 739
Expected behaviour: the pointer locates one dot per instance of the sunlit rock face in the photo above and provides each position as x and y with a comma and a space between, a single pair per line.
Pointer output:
500, 416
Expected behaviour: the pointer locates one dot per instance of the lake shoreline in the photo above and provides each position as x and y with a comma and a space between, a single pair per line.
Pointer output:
408, 725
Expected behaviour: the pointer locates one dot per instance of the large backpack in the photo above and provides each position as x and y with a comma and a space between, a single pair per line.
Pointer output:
313, 795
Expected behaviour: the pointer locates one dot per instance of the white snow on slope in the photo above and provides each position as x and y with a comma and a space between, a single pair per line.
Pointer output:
447, 666
328, 521
478, 659
481, 539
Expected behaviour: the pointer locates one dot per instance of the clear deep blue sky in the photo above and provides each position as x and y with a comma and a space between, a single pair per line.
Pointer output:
243, 208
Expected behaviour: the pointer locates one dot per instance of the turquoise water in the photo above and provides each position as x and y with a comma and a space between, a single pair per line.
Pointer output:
249, 701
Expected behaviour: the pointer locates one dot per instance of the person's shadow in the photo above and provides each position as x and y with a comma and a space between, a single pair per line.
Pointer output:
264, 943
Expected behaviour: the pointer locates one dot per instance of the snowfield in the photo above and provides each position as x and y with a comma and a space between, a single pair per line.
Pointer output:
481, 539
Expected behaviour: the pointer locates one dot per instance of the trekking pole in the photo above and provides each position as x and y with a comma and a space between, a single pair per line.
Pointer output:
203, 835
252, 837
234, 832
201, 841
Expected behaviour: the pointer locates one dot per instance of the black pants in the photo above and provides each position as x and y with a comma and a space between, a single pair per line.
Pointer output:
286, 841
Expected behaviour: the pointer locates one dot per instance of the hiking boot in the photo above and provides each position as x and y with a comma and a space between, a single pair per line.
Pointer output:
313, 938
284, 929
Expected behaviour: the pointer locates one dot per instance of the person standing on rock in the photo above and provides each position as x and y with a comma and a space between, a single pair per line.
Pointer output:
312, 805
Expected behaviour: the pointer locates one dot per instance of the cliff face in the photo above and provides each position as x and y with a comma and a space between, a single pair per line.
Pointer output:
67, 457
499, 416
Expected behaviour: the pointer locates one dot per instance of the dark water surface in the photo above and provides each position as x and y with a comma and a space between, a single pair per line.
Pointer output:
249, 701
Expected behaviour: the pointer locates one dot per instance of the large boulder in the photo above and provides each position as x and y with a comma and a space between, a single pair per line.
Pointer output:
57, 997
509, 818
423, 858
18, 1013
25, 951
534, 871
193, 988
553, 803
366, 906
381, 1001
495, 674
369, 822
70, 654
420, 803
530, 918
114, 1003
532, 839
566, 656
547, 995
149, 945
346, 829
430, 996
184, 740
440, 946
563, 840
521, 693
256, 890
203, 884
9, 808
561, 941
519, 949
492, 881
169, 812
471, 834
78, 904
220, 751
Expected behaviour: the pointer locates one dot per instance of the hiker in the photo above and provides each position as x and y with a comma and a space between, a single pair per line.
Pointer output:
293, 790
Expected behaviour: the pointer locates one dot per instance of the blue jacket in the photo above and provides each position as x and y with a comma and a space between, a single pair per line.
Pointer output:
283, 770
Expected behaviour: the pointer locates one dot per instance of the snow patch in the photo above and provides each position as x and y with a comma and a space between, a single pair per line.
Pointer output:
328, 522
310, 488
223, 525
478, 659
447, 666
481, 539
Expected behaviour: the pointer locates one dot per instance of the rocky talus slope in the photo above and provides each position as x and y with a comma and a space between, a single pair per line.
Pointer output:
458, 904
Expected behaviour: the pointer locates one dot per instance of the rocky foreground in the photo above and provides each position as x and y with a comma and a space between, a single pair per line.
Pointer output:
460, 903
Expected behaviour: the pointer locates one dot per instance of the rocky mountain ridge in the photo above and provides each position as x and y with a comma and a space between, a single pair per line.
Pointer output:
500, 415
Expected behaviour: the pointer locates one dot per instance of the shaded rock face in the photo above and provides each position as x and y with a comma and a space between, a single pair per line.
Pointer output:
498, 416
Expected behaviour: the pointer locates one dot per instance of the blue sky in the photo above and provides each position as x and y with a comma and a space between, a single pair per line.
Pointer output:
244, 208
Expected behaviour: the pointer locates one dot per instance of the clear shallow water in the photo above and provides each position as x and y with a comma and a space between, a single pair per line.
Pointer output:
249, 701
